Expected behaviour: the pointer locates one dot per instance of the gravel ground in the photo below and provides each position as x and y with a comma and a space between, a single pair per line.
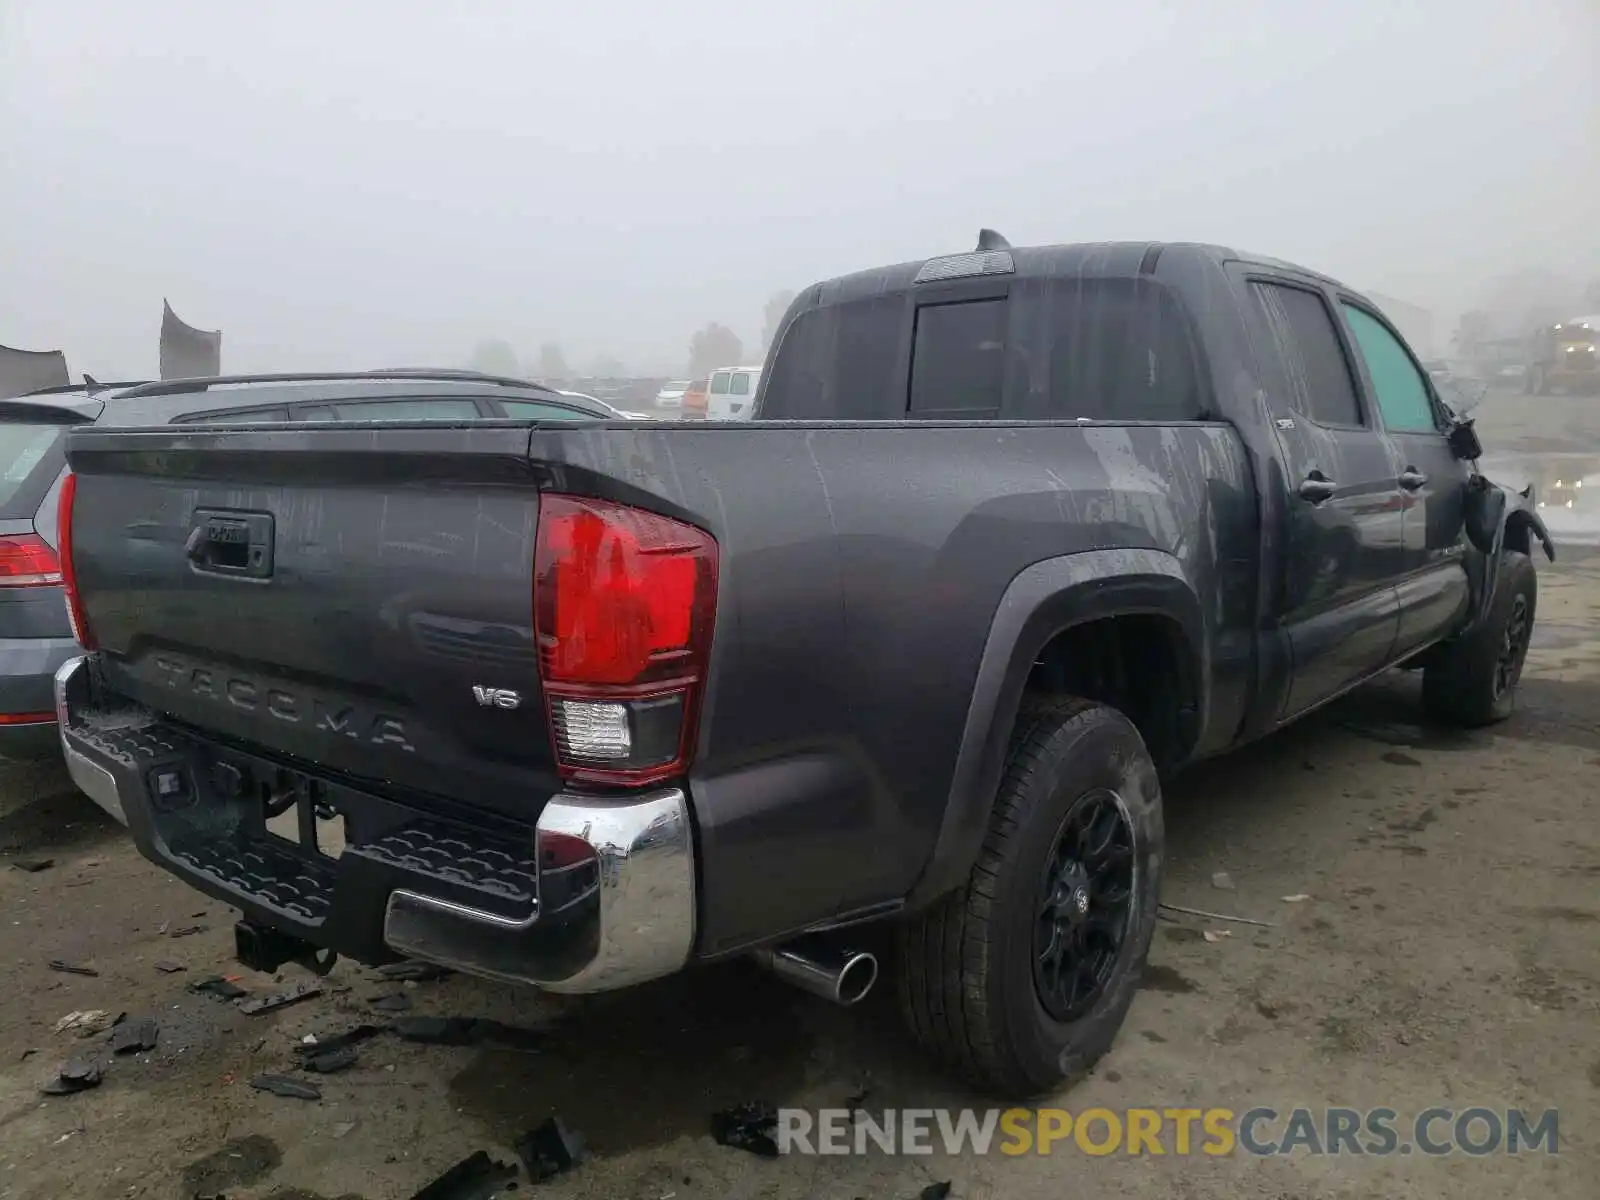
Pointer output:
1447, 953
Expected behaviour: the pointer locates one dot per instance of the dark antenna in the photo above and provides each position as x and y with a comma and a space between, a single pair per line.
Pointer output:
988, 239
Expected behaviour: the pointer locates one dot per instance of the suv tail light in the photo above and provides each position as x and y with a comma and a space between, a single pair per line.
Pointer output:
624, 601
26, 560
69, 577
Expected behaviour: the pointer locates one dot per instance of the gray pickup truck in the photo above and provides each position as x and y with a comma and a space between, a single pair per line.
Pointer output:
579, 703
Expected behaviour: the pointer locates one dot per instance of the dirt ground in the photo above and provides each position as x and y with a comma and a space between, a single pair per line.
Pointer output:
1448, 953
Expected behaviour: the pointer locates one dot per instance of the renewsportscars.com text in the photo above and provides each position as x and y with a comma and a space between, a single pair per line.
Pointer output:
1474, 1131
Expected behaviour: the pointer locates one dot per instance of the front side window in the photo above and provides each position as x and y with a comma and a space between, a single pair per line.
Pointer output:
1397, 385
740, 385
719, 385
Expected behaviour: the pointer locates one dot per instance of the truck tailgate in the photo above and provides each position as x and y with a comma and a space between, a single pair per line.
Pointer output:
334, 596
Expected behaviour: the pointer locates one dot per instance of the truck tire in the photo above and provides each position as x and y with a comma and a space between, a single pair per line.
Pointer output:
1472, 682
1070, 870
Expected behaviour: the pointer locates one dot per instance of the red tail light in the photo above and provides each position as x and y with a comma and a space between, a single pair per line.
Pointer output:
624, 602
26, 560
69, 577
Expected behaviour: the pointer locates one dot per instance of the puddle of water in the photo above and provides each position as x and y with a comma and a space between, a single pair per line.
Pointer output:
1566, 487
649, 1065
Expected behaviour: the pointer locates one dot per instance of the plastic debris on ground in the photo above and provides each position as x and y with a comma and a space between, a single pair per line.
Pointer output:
137, 1034
282, 1085
476, 1177
330, 1062
216, 985
747, 1127
417, 971
935, 1191
339, 1041
390, 1002
33, 865
67, 968
77, 1074
87, 1022
169, 966
549, 1149
188, 931
282, 999
1222, 881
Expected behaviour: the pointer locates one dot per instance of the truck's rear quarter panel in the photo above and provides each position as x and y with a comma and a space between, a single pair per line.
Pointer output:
860, 569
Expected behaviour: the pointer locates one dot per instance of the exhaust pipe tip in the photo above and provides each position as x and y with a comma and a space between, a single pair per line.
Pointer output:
856, 978
844, 977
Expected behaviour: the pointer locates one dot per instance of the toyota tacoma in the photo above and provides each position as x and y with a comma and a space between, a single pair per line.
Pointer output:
578, 702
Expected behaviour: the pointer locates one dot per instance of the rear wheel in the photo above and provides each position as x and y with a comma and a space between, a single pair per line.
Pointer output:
1473, 681
1021, 979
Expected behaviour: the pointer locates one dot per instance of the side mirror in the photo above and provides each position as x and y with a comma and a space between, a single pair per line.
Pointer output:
1463, 440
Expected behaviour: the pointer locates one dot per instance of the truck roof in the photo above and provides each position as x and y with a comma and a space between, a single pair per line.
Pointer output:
1091, 259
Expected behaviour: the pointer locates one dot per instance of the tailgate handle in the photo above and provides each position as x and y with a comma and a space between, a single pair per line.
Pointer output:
229, 542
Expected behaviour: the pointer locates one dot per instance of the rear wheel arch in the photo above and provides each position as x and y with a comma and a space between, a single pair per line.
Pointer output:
1074, 596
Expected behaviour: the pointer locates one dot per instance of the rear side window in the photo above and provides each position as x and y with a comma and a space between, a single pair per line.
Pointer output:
1396, 382
958, 360
739, 384
29, 462
532, 410
1102, 349
838, 362
719, 385
249, 416
1319, 380
407, 410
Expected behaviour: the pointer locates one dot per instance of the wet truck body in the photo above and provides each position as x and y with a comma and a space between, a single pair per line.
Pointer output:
592, 701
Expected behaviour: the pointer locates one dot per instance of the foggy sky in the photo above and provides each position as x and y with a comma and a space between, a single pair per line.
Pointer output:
366, 183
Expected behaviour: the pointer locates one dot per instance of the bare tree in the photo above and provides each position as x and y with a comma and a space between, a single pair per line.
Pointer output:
495, 357
772, 316
713, 347
552, 363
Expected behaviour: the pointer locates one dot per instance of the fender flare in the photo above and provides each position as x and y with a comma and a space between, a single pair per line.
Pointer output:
1498, 519
1042, 601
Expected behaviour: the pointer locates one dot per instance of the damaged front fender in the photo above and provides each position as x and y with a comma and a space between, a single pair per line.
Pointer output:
1498, 519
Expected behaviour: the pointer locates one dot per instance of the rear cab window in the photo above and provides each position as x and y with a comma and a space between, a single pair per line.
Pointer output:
1043, 348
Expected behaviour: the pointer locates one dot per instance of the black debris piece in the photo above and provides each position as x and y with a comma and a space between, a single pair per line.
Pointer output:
139, 1034
549, 1149
77, 1074
466, 1031
418, 971
188, 930
216, 985
67, 968
339, 1041
439, 1031
276, 1000
935, 1191
747, 1127
390, 1002
330, 1062
282, 1085
476, 1177
169, 966
33, 865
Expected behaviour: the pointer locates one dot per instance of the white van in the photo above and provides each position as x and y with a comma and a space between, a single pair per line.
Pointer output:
732, 393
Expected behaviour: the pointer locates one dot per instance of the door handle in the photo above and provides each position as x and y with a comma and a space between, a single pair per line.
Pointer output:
1411, 479
1317, 487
